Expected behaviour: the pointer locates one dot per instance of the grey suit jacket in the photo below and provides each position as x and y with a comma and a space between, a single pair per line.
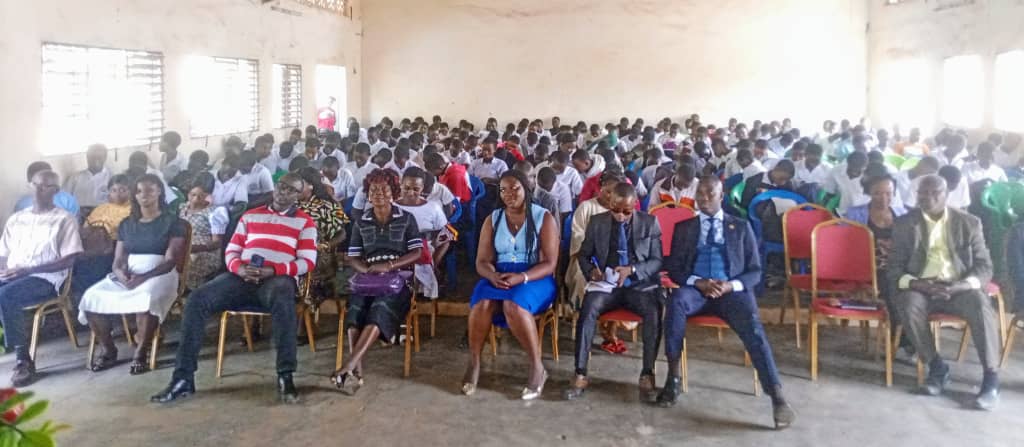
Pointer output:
644, 246
964, 238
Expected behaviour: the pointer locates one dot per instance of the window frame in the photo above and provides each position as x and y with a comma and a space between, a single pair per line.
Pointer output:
282, 107
254, 88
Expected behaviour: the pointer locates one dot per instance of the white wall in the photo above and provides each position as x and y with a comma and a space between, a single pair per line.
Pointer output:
229, 28
922, 30
599, 60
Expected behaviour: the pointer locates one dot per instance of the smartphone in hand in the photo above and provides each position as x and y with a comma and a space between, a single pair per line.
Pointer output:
256, 261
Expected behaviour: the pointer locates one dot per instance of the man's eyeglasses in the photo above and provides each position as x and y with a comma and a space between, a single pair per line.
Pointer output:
286, 188
625, 211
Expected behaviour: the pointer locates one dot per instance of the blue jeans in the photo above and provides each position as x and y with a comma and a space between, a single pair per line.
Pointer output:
738, 310
15, 296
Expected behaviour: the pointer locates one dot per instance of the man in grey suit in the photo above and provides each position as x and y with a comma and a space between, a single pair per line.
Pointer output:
939, 263
622, 250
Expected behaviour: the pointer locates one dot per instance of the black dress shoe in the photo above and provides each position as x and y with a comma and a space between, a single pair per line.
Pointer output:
24, 373
669, 394
937, 381
286, 389
783, 415
178, 389
987, 399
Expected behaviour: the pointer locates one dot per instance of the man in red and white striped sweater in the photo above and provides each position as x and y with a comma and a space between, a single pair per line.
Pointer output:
272, 246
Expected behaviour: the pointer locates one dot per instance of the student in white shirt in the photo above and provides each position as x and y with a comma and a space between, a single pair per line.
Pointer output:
780, 145
457, 155
1007, 154
89, 186
259, 182
360, 165
372, 138
981, 169
747, 165
231, 186
811, 169
954, 153
265, 154
487, 168
959, 192
556, 195
906, 181
587, 165
285, 154
341, 180
401, 161
672, 140
763, 155
566, 174
844, 180
332, 148
171, 161
679, 188
138, 164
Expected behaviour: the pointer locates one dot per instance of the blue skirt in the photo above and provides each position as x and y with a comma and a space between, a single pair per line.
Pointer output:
535, 296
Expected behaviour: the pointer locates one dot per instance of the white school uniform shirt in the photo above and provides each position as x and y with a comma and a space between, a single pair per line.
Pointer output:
463, 159
400, 169
596, 169
171, 168
283, 162
668, 138
234, 190
89, 189
630, 143
1006, 160
259, 180
337, 155
904, 190
360, 173
775, 146
973, 172
817, 175
270, 162
768, 160
675, 193
755, 167
851, 192
376, 147
960, 196
957, 161
169, 192
344, 185
441, 194
562, 196
481, 169
571, 178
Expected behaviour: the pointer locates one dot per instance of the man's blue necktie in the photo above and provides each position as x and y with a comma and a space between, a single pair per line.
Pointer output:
623, 249
710, 239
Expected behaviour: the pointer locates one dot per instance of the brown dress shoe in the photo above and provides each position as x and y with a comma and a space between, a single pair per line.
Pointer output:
576, 388
648, 393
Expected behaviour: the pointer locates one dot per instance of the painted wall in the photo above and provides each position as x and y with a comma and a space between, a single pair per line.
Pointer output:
599, 60
934, 30
229, 28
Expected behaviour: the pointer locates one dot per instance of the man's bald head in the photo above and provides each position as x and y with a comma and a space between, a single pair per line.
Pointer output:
931, 195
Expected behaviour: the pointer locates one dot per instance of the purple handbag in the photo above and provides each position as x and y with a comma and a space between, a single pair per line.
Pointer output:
379, 284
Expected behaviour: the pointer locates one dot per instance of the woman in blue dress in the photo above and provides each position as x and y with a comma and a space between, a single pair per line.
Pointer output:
516, 259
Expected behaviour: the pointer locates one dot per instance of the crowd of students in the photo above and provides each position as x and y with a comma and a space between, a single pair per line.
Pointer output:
383, 197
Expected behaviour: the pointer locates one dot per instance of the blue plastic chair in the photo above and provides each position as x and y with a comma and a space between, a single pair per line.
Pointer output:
449, 257
347, 205
471, 230
567, 231
766, 247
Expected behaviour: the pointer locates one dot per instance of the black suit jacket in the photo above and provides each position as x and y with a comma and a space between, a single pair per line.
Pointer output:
741, 250
964, 238
644, 246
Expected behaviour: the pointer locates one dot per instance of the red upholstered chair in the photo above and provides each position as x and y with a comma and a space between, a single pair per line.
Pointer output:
797, 224
843, 254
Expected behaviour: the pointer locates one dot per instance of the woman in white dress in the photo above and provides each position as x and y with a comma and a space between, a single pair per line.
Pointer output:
144, 282
430, 219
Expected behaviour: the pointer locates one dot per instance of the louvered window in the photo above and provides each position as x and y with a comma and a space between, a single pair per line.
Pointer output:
222, 95
100, 95
287, 95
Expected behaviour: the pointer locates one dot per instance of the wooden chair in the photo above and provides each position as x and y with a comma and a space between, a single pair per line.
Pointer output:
258, 312
412, 332
797, 224
543, 320
61, 303
1009, 339
183, 268
843, 252
712, 321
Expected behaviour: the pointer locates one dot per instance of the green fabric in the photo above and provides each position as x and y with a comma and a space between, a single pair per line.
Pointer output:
736, 197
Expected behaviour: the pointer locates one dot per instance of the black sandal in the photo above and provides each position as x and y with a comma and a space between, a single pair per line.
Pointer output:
104, 361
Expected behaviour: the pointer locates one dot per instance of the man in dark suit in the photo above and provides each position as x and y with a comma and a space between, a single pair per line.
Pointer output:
939, 263
714, 261
621, 245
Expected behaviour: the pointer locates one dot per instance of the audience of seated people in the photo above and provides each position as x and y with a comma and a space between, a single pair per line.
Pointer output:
130, 240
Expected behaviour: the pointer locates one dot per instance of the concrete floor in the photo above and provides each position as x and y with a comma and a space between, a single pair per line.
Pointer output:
847, 406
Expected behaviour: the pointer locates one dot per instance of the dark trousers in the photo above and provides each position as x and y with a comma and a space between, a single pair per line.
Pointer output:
229, 292
15, 296
644, 304
973, 306
738, 310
